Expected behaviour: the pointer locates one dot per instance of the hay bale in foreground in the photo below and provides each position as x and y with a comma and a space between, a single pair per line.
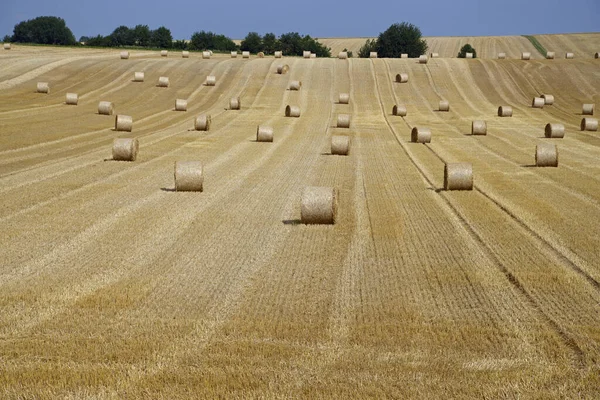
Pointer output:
554, 131
125, 149
505, 111
587, 109
295, 85
43, 87
373, 54
189, 176
211, 80
264, 134
525, 55
7, 46
292, 111
589, 124
163, 81
206, 55
164, 53
283, 69
234, 54
399, 110
423, 59
478, 127
72, 99
343, 121
278, 54
501, 56
402, 78
306, 54
138, 77
550, 55
235, 103
124, 55
180, 105
344, 98
185, 54
343, 55
458, 176
444, 105
569, 56
123, 123
318, 205
106, 108
548, 99
245, 54
202, 122
420, 135
546, 155
404, 55
538, 102
340, 145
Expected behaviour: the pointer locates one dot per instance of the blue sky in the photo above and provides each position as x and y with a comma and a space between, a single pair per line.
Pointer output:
324, 18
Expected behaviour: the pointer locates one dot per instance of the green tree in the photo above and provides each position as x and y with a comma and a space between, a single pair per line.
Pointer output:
270, 43
210, 41
122, 36
43, 30
180, 45
467, 48
252, 43
401, 38
98, 41
293, 44
162, 38
366, 49
142, 35
84, 39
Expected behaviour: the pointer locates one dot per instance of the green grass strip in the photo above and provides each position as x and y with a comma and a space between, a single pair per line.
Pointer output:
537, 45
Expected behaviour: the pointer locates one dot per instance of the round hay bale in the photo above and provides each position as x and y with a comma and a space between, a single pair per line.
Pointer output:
546, 155
72, 99
234, 54
434, 55
245, 54
206, 55
43, 87
343, 121
211, 80
264, 134
538, 102
399, 110
292, 111
211, 52
164, 53
525, 55
420, 135
106, 108
403, 55
444, 105
478, 127
505, 111
554, 131
589, 124
550, 55
340, 145
587, 109
306, 54
313, 55
548, 99
458, 176
202, 122
283, 69
402, 78
235, 103
124, 55
185, 54
344, 98
261, 54
163, 81
423, 59
318, 205
278, 54
343, 55
180, 105
569, 56
138, 77
468, 55
189, 176
373, 54
125, 149
8, 47
295, 85
123, 123
501, 56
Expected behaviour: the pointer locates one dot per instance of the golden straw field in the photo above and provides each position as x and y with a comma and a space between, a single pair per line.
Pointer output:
115, 286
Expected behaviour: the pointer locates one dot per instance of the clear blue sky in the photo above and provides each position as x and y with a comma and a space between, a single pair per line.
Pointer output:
318, 18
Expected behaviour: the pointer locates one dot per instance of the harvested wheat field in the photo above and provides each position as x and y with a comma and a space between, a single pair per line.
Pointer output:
114, 285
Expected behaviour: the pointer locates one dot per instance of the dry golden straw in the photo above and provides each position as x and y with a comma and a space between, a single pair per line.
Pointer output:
261, 54
123, 123
295, 85
278, 54
373, 54
343, 55
163, 81
306, 54
211, 80
478, 127
399, 110
125, 149
7, 47
501, 56
105, 108
185, 54
318, 205
313, 55
164, 53
43, 87
402, 78
423, 59
458, 176
525, 55
292, 111
444, 105
550, 55
546, 155
283, 69
124, 55
138, 77
587, 109
505, 111
434, 55
569, 56
234, 54
189, 176
538, 102
554, 131
403, 55
264, 134
245, 54
343, 121
235, 103
420, 135
469, 55
202, 122
344, 98
206, 54
548, 99
72, 99
340, 145
180, 105
589, 124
